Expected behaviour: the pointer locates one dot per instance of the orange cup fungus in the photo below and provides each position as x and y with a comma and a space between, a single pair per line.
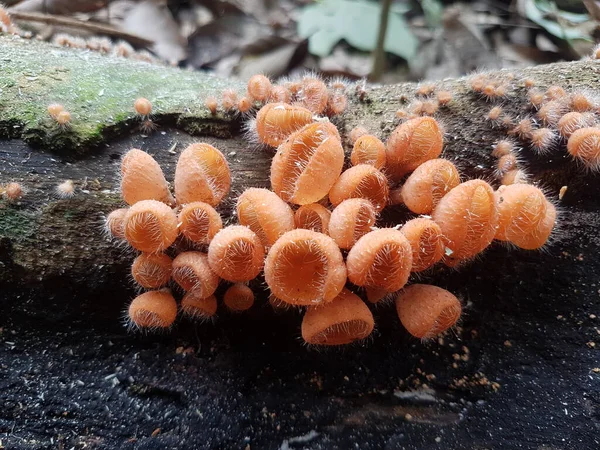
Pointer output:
151, 270
199, 222
344, 320
275, 122
192, 272
236, 254
153, 310
584, 145
150, 226
259, 88
238, 297
197, 307
115, 223
202, 175
351, 220
305, 268
362, 181
307, 164
426, 311
143, 179
427, 243
368, 149
313, 217
411, 144
468, 216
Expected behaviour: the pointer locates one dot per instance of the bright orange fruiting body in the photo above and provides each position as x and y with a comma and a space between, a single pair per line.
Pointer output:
368, 149
344, 320
551, 112
142, 106
336, 104
275, 122
584, 145
192, 272
502, 148
426, 186
229, 99
581, 103
115, 223
526, 217
13, 191
264, 213
514, 176
259, 88
244, 105
351, 220
468, 216
236, 254
153, 310
143, 179
305, 268
212, 105
280, 94
202, 175
523, 129
307, 164
427, 243
197, 307
573, 121
150, 226
356, 133
542, 140
361, 181
63, 118
313, 217
55, 109
507, 163
411, 144
381, 258
555, 92
426, 311
444, 97
314, 95
151, 270
238, 297
199, 222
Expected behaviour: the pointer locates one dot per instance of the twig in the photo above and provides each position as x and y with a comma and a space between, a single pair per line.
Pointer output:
379, 53
50, 19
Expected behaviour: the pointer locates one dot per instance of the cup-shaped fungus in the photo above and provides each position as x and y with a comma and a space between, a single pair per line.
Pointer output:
362, 181
427, 242
153, 310
192, 272
313, 217
344, 320
238, 297
573, 121
381, 258
115, 222
584, 145
526, 217
143, 179
426, 186
275, 122
264, 213
259, 88
202, 175
411, 144
197, 307
368, 149
151, 270
150, 226
199, 222
305, 268
351, 220
426, 310
307, 164
236, 254
314, 95
468, 216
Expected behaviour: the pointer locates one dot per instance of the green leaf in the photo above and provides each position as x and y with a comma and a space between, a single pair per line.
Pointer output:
433, 11
557, 22
357, 22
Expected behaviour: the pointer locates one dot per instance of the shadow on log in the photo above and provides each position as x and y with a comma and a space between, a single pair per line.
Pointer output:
521, 371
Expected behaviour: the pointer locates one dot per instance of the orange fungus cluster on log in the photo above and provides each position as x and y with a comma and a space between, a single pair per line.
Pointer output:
316, 235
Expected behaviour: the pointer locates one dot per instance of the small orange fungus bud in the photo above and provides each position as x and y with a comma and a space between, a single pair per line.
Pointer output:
356, 133
313, 217
305, 268
229, 99
362, 181
151, 270
411, 144
581, 102
115, 223
307, 165
550, 113
280, 94
143, 179
381, 258
142, 106
444, 97
150, 226
13, 191
507, 163
259, 88
584, 145
351, 220
192, 272
314, 95
425, 89
66, 189
426, 310
495, 113
337, 104
199, 222
523, 129
63, 118
244, 105
275, 122
368, 150
202, 175
198, 308
55, 109
426, 241
478, 82
238, 297
153, 310
212, 105
468, 216
264, 213
236, 254
528, 83
514, 176
526, 217
555, 92
536, 98
344, 320
426, 186
502, 148
542, 140
573, 121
